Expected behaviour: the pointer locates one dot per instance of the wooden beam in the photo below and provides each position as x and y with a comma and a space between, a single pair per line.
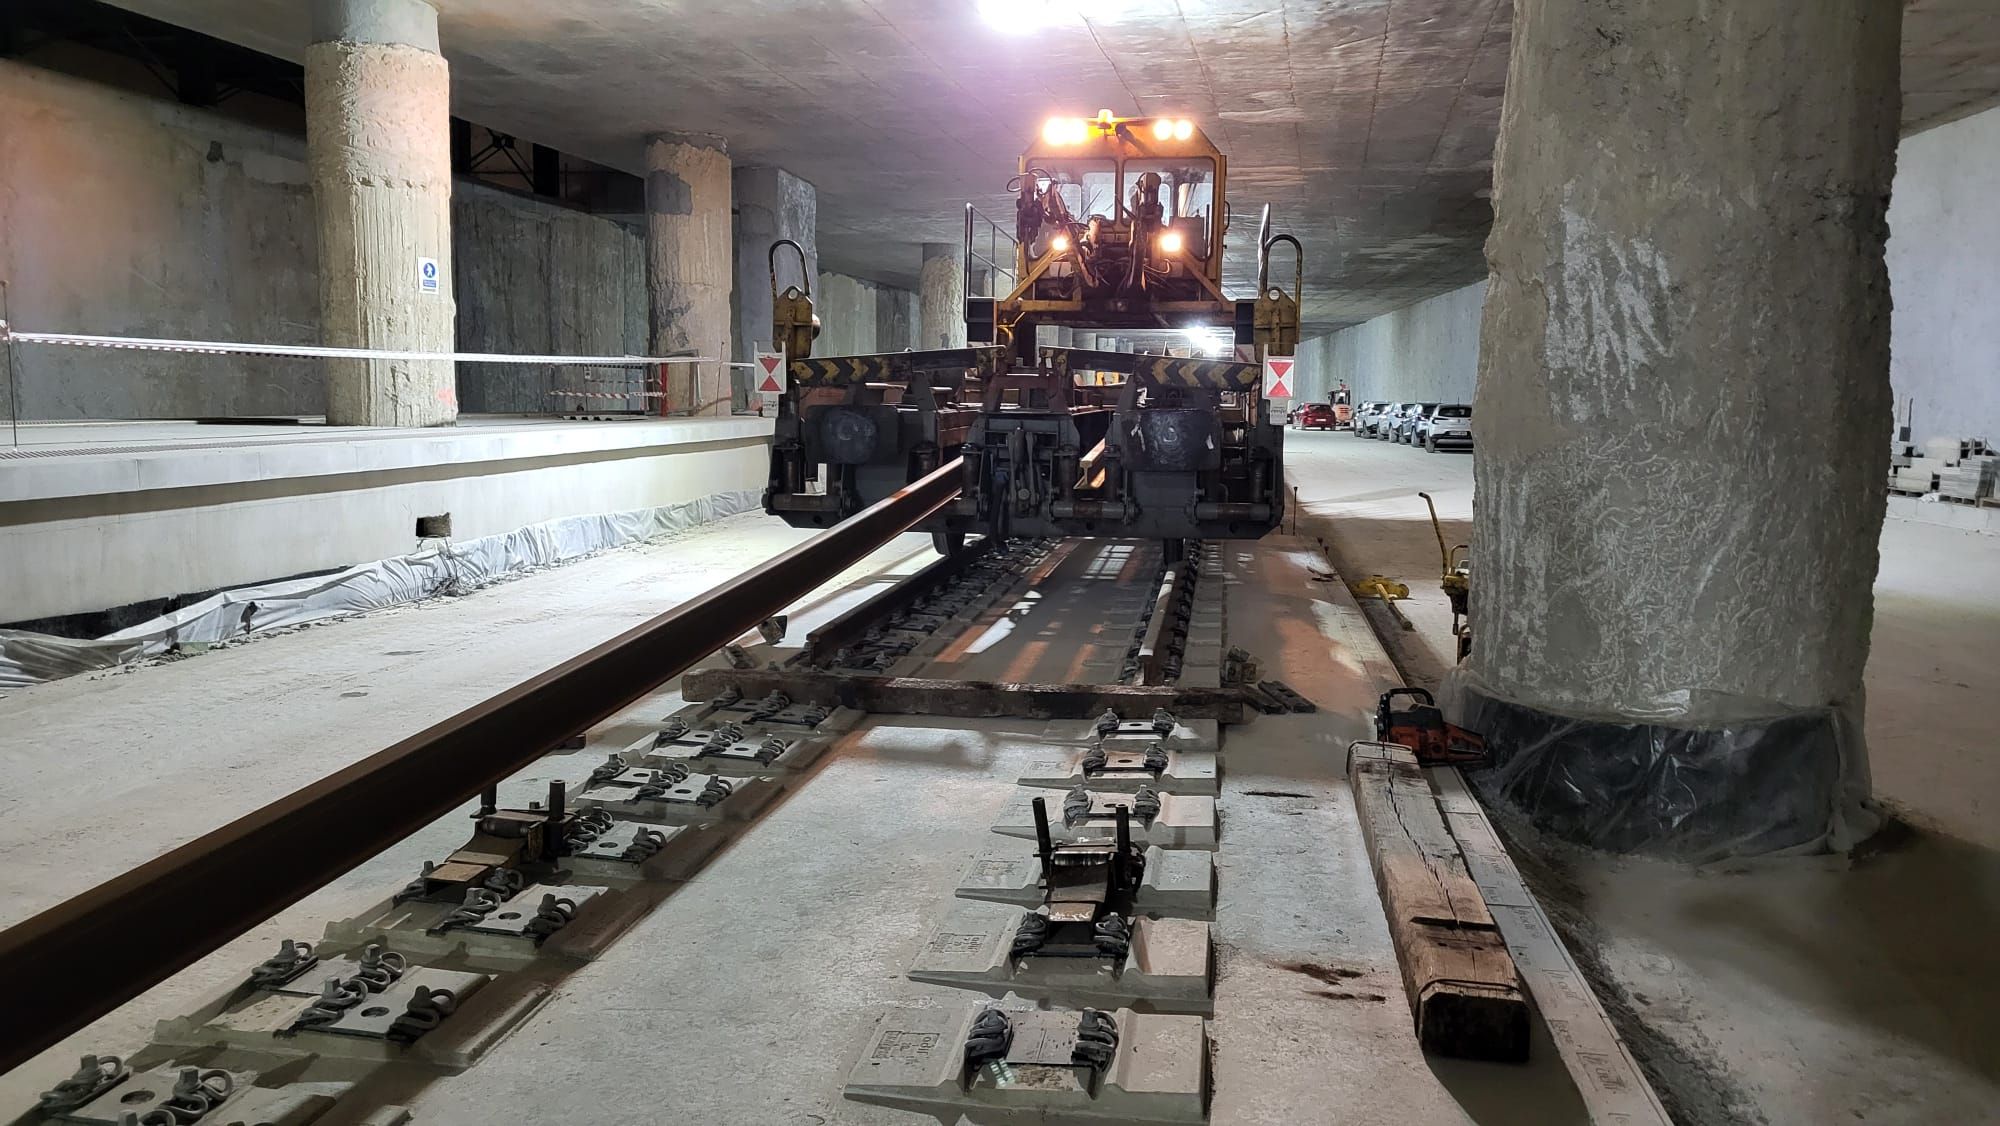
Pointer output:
1465, 993
968, 699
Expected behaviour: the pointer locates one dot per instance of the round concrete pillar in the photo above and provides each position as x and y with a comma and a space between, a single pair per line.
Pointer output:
689, 266
941, 297
1683, 408
378, 145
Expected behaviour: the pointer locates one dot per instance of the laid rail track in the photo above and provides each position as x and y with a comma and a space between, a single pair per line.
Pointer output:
78, 960
1055, 634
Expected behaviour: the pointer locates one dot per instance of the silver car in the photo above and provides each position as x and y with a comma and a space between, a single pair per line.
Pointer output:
1385, 425
1446, 425
1367, 415
1405, 429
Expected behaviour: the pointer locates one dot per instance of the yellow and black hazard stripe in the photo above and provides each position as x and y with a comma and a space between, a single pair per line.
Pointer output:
892, 367
1163, 371
1208, 375
837, 371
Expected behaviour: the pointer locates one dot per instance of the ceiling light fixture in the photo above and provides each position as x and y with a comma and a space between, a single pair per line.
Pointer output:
1019, 17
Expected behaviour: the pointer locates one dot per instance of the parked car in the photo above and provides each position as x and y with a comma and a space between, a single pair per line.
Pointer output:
1423, 422
1448, 425
1366, 415
1385, 426
1314, 416
1406, 423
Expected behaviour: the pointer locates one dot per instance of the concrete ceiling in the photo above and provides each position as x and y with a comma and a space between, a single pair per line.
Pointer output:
1367, 125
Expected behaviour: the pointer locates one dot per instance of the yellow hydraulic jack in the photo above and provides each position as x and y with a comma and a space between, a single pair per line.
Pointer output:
1275, 318
1456, 581
793, 323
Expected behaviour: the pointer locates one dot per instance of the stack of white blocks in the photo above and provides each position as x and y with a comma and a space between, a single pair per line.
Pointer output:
1959, 468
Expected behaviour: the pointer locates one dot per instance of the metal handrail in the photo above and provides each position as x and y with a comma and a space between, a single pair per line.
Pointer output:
86, 956
994, 234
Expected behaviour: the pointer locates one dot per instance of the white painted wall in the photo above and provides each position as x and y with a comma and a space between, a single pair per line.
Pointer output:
1944, 273
1428, 352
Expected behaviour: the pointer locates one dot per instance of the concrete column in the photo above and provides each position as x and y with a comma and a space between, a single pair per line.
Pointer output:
941, 297
378, 148
1683, 398
770, 204
689, 267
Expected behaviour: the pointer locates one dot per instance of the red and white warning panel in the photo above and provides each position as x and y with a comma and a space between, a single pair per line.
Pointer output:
1278, 377
770, 369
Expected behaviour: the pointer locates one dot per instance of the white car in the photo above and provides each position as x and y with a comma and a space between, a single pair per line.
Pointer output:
1367, 415
1404, 428
1447, 424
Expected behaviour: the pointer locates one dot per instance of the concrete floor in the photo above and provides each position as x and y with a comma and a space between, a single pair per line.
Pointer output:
1813, 990
99, 773
757, 980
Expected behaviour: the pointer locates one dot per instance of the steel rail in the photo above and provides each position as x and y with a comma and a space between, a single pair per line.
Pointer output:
86, 956
824, 643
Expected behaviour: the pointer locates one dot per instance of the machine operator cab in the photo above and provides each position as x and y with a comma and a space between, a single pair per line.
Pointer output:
1118, 224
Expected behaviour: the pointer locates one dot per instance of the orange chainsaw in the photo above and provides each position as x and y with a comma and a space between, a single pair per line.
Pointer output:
1422, 728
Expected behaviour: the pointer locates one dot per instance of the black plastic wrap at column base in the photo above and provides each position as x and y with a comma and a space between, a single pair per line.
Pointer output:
1677, 793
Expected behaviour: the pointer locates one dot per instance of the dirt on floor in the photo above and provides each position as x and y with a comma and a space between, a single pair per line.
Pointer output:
1800, 990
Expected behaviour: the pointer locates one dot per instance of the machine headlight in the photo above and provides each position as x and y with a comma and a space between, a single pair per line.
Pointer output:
1066, 131
1183, 129
1059, 244
1163, 129
1171, 242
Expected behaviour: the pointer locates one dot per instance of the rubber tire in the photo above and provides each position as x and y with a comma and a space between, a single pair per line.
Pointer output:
1430, 445
947, 543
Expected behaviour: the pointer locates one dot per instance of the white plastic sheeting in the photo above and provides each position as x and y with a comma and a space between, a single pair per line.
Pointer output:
29, 658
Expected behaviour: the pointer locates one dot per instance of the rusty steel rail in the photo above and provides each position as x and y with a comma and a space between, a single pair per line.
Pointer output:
84, 957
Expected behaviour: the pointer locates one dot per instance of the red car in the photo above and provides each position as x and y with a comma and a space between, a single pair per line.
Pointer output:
1315, 416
